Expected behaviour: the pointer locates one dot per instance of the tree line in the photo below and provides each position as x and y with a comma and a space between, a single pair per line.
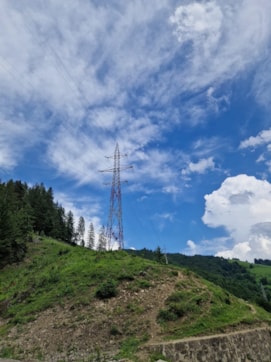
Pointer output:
262, 261
25, 210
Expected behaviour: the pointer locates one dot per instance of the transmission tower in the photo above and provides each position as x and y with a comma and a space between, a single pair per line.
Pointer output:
114, 229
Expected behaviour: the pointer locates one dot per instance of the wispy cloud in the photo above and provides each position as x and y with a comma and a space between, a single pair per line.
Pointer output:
219, 42
100, 74
162, 219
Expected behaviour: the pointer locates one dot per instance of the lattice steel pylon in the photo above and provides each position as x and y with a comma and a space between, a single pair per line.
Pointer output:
114, 229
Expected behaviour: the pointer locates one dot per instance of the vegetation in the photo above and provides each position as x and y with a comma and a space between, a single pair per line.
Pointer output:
106, 290
22, 211
121, 298
197, 306
111, 294
244, 280
25, 211
56, 271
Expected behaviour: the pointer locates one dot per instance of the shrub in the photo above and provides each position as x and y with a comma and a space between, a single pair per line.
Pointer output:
114, 331
106, 290
143, 284
166, 315
177, 309
175, 297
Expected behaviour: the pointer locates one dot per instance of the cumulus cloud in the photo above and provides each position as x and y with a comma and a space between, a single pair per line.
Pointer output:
242, 207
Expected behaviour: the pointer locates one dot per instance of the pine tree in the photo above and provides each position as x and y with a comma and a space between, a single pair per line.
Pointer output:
159, 256
13, 232
70, 228
102, 240
81, 230
91, 237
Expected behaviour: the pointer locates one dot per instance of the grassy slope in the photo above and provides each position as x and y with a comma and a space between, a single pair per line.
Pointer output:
260, 272
54, 272
239, 278
63, 280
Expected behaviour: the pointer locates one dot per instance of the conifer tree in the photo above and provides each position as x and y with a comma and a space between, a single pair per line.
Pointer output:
91, 237
70, 228
102, 240
81, 230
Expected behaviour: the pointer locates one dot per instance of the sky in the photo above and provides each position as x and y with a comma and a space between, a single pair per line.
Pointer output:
182, 86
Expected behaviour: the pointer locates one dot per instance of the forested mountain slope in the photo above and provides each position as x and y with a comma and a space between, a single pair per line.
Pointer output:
26, 210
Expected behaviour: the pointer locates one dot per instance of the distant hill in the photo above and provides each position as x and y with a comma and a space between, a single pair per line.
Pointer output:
245, 280
64, 302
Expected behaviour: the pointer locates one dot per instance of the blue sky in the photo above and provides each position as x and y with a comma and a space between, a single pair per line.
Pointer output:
182, 86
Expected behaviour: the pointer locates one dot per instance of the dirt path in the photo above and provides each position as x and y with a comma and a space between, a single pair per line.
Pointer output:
218, 335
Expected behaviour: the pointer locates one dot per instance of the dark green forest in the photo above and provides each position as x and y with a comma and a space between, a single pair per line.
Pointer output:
26, 210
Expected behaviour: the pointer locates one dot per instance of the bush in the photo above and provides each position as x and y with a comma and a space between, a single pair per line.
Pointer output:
177, 309
166, 315
175, 297
106, 290
114, 331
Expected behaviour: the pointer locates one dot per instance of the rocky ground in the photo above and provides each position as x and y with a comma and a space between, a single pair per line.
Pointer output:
75, 332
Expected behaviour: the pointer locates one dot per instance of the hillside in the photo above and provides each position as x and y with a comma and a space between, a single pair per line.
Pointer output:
245, 280
67, 303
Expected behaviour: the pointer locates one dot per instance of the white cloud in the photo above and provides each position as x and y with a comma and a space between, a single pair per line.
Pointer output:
199, 167
76, 152
171, 189
104, 73
199, 23
262, 84
15, 133
205, 247
241, 251
218, 40
191, 245
84, 75
261, 139
242, 206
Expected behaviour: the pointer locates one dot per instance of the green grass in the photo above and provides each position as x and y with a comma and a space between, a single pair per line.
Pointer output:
56, 272
197, 309
260, 272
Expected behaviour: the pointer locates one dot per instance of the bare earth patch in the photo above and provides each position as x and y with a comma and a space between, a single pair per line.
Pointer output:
76, 332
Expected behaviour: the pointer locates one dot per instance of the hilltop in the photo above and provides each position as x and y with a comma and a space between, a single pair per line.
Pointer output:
68, 303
